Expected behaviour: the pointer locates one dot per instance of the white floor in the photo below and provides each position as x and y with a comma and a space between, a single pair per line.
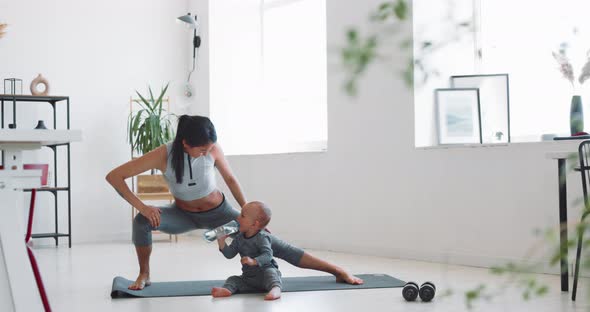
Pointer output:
79, 279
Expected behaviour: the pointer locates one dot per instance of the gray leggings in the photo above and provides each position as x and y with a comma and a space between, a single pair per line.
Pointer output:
174, 220
264, 279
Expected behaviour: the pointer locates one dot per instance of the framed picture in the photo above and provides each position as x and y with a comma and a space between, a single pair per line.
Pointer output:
458, 115
494, 104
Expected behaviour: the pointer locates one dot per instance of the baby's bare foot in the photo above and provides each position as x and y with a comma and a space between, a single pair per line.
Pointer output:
273, 294
142, 281
218, 292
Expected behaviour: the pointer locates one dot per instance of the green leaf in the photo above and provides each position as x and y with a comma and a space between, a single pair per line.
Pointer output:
151, 96
352, 35
385, 6
526, 295
408, 73
401, 9
144, 103
161, 97
350, 87
406, 43
542, 290
497, 270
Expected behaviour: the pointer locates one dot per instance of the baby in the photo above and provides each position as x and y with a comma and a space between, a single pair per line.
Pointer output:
259, 269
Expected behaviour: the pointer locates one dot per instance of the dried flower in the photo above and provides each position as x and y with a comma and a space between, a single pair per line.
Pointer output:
2, 27
585, 72
565, 67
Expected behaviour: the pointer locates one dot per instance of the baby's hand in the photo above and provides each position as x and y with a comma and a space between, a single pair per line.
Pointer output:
222, 238
249, 261
221, 241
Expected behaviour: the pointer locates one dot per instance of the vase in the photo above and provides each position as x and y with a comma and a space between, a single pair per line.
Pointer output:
37, 81
41, 125
576, 115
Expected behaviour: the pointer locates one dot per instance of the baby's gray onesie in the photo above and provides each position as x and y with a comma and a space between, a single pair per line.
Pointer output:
263, 276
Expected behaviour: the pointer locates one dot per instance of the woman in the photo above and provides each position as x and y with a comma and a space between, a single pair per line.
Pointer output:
188, 164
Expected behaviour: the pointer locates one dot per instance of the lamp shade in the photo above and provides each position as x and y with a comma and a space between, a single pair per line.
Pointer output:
189, 20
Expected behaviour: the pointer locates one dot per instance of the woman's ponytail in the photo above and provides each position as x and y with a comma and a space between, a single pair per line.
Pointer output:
195, 131
177, 151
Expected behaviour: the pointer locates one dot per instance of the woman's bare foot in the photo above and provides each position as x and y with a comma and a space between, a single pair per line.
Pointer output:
142, 281
309, 261
218, 292
273, 294
345, 277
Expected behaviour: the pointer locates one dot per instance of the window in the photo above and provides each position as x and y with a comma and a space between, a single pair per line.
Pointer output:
540, 96
514, 37
269, 75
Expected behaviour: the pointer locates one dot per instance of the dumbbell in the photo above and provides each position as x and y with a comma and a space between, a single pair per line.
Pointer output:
410, 291
426, 292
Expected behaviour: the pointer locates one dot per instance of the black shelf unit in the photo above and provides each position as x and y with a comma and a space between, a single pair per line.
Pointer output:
53, 101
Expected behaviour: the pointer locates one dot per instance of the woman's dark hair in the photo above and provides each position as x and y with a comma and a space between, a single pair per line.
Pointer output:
196, 131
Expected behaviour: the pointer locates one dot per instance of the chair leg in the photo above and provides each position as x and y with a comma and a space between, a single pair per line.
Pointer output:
577, 268
39, 281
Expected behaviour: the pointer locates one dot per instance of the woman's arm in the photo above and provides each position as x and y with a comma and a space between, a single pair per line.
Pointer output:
227, 174
155, 159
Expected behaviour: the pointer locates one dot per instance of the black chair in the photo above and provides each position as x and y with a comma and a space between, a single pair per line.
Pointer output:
584, 156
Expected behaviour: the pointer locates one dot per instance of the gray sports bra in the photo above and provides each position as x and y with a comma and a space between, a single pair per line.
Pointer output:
198, 179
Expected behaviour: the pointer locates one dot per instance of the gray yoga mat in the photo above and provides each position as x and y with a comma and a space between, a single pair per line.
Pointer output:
203, 288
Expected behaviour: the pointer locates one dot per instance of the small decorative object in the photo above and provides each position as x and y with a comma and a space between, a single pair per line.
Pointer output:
2, 28
13, 85
458, 115
567, 70
12, 126
40, 125
495, 103
36, 82
576, 115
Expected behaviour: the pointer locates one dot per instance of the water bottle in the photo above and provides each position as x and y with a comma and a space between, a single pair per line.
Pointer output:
226, 229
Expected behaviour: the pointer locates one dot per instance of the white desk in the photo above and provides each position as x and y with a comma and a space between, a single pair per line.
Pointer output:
16, 275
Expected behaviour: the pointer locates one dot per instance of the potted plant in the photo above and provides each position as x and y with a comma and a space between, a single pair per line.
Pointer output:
151, 126
148, 129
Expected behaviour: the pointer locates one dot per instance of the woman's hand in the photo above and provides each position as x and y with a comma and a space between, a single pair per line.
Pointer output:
249, 261
152, 214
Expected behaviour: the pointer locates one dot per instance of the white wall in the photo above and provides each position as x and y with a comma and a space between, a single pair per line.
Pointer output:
374, 193
98, 53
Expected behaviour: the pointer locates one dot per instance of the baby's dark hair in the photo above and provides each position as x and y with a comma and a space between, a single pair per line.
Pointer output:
264, 214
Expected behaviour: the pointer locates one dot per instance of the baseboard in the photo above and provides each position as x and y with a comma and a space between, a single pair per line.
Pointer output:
451, 258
